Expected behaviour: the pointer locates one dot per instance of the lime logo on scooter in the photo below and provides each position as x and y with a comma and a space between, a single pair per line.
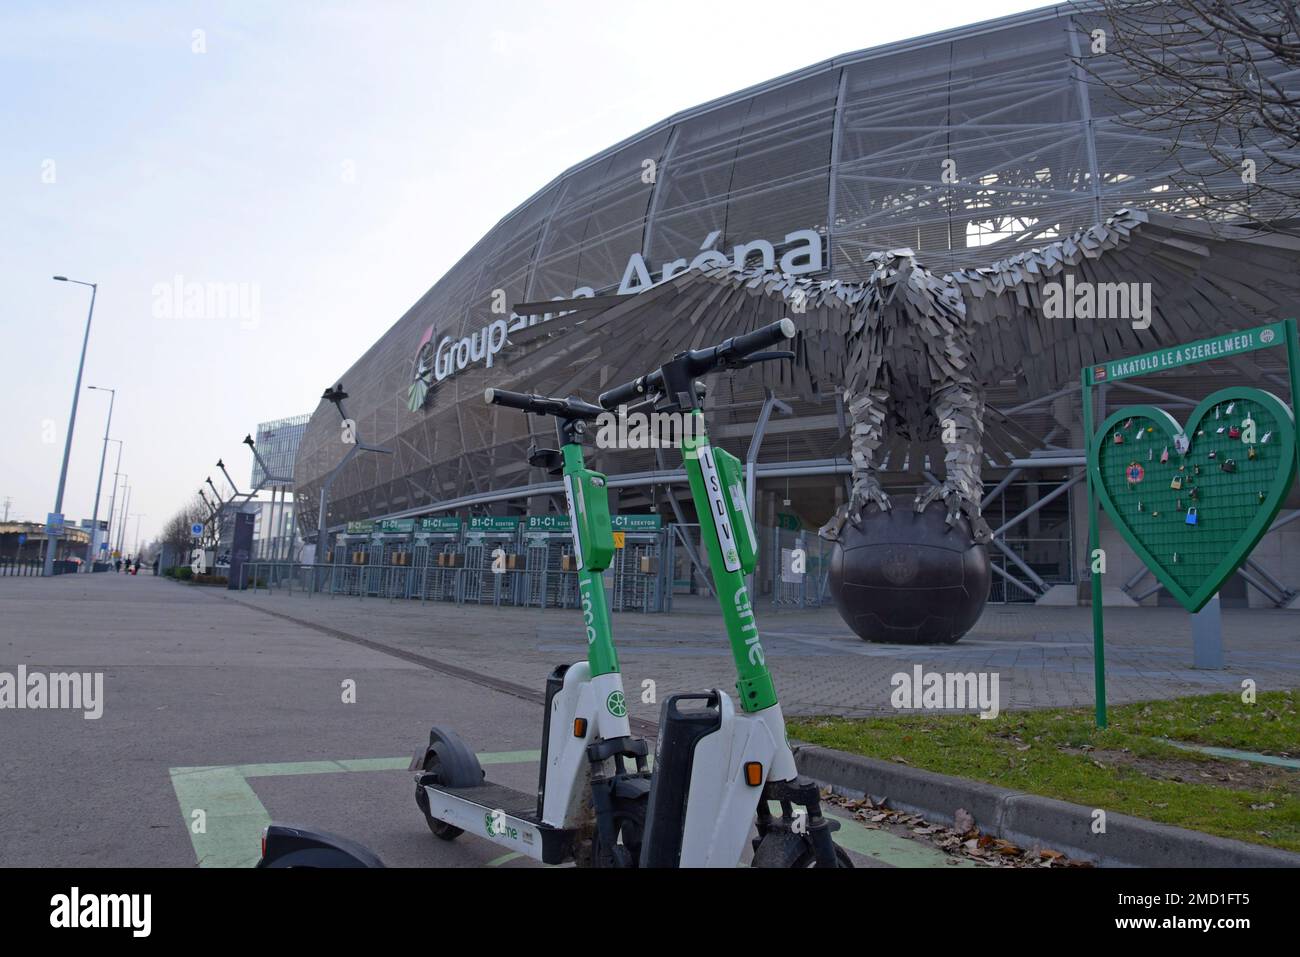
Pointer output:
718, 507
495, 824
616, 704
588, 616
745, 612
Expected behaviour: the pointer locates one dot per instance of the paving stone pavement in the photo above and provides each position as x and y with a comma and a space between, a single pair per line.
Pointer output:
1042, 655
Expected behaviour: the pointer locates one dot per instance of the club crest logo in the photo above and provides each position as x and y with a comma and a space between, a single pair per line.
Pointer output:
422, 379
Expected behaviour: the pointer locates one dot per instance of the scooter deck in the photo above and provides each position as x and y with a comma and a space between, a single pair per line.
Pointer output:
498, 797
504, 816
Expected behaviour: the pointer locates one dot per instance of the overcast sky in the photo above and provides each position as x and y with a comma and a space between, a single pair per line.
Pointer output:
334, 159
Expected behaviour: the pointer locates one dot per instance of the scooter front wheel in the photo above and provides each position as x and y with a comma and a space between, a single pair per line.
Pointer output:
441, 829
629, 827
785, 849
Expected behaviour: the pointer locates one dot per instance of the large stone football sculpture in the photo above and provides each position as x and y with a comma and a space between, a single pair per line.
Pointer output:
905, 577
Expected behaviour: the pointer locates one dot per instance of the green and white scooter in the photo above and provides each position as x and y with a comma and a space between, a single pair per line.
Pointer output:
719, 763
589, 806
587, 800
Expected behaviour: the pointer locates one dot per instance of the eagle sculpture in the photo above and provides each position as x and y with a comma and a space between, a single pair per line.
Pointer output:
914, 352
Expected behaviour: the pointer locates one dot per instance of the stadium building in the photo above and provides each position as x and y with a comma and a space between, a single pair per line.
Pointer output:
967, 147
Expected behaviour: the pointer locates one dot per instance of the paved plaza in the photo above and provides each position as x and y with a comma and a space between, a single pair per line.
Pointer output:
1043, 655
223, 711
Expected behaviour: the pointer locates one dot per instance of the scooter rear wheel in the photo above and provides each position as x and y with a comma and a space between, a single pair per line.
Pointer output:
785, 849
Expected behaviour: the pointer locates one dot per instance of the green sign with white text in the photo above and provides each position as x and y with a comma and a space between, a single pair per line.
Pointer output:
494, 523
635, 523
1220, 347
549, 523
440, 523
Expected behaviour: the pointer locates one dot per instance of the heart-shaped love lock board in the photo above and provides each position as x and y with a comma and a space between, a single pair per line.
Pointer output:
1192, 501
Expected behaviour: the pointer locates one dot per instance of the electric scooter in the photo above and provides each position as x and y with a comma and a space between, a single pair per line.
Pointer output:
717, 766
589, 806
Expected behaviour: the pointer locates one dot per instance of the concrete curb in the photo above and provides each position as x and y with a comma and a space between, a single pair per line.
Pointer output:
1027, 819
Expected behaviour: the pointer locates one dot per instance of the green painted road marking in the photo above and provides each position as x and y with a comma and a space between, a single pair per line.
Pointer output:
1234, 755
892, 849
234, 816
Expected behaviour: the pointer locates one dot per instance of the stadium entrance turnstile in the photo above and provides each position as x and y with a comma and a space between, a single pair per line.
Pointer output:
550, 578
390, 568
641, 575
350, 558
493, 564
439, 559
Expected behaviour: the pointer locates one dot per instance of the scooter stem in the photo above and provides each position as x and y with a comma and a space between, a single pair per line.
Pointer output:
728, 533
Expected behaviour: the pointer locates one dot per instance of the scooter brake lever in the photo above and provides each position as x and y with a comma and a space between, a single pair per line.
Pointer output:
756, 357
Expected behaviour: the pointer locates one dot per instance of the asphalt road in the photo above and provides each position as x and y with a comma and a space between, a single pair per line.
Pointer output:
217, 717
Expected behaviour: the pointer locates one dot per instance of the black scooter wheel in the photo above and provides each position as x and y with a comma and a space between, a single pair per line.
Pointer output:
451, 763
629, 826
785, 849
441, 829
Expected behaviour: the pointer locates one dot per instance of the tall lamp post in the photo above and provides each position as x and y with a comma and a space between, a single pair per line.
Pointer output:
51, 536
112, 501
99, 484
138, 516
126, 516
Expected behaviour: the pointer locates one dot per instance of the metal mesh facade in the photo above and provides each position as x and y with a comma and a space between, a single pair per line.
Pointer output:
853, 149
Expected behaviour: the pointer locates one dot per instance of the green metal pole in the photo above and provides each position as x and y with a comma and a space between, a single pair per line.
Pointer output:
1293, 370
1094, 542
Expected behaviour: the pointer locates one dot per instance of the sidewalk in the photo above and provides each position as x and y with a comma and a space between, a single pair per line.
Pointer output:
1043, 655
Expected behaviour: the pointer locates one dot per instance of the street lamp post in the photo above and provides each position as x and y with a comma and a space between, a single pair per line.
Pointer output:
99, 484
138, 516
126, 515
112, 502
51, 538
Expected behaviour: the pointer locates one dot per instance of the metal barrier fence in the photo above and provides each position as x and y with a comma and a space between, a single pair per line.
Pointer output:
798, 567
538, 572
548, 581
34, 567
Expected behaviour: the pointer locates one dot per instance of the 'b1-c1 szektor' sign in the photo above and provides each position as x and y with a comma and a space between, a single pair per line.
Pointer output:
440, 357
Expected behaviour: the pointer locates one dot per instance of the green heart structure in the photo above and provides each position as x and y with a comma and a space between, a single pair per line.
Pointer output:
1230, 496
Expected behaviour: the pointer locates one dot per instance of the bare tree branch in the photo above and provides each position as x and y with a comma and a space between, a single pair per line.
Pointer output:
1218, 81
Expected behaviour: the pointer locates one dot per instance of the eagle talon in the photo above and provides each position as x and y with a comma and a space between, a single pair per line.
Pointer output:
866, 491
831, 530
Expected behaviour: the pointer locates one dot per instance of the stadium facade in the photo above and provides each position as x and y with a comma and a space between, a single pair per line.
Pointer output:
966, 146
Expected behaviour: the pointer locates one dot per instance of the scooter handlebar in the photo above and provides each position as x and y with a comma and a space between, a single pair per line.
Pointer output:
701, 362
567, 408
628, 391
740, 346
